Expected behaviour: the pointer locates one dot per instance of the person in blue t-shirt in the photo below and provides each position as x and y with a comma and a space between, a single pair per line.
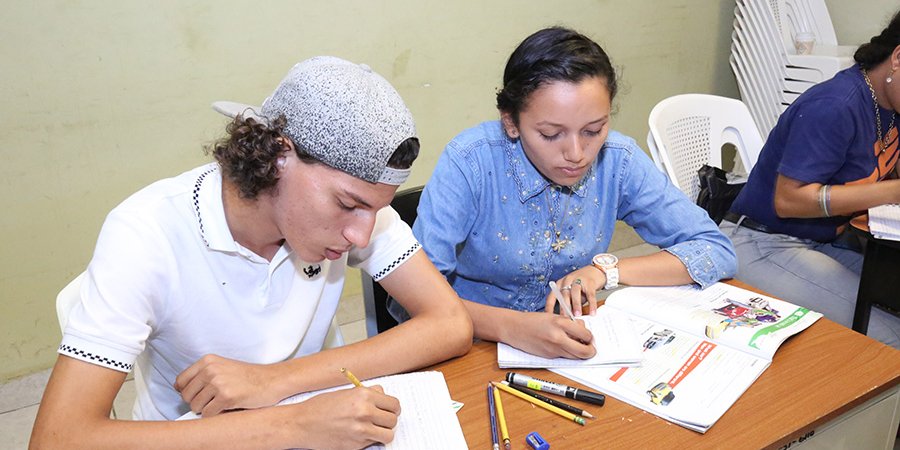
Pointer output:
534, 197
833, 154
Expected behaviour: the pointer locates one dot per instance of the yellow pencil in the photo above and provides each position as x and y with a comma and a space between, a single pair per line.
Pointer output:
504, 433
503, 386
351, 377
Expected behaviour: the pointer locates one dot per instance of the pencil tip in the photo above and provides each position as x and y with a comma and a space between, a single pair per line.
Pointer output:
588, 415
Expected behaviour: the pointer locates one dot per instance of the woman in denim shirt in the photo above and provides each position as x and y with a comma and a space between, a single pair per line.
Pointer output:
516, 203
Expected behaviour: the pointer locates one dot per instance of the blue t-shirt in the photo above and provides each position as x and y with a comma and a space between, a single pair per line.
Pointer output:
487, 218
828, 135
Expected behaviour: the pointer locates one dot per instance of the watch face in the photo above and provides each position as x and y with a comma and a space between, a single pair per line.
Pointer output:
606, 260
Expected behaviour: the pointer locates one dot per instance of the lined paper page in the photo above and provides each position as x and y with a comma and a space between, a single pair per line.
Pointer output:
427, 415
615, 339
884, 221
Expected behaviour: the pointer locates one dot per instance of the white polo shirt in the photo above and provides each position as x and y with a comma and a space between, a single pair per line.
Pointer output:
168, 284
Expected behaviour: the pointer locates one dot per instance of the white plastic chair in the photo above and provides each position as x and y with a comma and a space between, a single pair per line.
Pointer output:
770, 74
67, 298
690, 130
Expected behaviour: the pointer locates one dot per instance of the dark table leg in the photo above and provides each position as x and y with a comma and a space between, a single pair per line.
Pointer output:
879, 282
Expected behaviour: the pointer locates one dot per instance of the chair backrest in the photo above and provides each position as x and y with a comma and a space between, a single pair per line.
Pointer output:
797, 16
690, 131
67, 298
378, 319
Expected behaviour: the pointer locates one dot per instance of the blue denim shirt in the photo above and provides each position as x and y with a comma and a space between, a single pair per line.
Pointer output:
485, 218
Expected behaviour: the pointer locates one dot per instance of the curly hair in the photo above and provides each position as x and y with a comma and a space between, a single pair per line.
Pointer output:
880, 47
248, 154
552, 54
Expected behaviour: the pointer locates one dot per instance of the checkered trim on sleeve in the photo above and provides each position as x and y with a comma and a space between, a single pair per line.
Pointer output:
400, 259
68, 350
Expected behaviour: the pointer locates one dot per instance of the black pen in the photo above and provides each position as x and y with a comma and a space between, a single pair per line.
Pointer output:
555, 403
555, 388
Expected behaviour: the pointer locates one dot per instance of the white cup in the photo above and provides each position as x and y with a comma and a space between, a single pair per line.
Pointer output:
804, 42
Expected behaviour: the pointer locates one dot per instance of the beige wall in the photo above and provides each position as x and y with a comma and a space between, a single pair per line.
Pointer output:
101, 97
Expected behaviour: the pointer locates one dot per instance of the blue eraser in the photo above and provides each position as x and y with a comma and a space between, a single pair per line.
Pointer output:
536, 441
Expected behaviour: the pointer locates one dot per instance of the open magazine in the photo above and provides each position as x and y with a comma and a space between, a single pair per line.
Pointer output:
615, 339
427, 415
702, 349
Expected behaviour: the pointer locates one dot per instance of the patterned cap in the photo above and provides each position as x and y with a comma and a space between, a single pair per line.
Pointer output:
343, 114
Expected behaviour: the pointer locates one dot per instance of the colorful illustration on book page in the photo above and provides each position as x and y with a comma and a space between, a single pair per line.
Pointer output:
736, 314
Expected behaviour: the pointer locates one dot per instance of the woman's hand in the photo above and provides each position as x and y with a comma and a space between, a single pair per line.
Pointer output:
579, 287
550, 336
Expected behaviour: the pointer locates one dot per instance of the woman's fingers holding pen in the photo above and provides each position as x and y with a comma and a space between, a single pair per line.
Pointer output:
550, 336
580, 343
579, 288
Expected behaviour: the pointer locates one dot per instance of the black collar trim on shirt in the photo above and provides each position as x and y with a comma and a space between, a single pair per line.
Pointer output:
196, 199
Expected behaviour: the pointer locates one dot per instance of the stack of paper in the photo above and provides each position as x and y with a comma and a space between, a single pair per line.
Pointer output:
884, 221
615, 339
427, 415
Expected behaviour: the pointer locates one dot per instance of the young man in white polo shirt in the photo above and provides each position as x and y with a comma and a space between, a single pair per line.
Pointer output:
218, 286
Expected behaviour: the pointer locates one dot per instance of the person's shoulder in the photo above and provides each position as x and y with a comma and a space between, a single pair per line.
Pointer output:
161, 199
617, 142
841, 91
485, 134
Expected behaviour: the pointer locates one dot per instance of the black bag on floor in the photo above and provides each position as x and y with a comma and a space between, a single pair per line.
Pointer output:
716, 195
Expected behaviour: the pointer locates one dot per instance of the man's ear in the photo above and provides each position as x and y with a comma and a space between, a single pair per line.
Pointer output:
509, 125
287, 147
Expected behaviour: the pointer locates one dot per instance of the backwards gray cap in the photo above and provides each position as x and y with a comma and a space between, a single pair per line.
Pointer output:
343, 114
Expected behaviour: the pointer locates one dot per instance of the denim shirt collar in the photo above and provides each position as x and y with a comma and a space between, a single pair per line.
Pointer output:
529, 181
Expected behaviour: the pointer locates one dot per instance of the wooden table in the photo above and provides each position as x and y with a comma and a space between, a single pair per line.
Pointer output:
816, 377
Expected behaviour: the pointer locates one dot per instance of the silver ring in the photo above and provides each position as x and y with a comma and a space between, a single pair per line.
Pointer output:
566, 288
577, 281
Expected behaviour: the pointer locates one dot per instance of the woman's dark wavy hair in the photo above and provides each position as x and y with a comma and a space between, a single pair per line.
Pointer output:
551, 54
248, 154
880, 47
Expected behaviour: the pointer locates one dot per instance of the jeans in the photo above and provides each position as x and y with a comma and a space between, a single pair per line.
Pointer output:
812, 274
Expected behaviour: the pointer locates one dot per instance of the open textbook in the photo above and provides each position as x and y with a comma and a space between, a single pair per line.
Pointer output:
615, 340
702, 349
427, 415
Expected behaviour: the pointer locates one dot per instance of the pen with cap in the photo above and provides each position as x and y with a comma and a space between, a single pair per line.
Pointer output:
556, 403
556, 388
504, 386
562, 303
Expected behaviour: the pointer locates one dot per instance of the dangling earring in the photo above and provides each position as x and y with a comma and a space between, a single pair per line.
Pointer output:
280, 163
890, 78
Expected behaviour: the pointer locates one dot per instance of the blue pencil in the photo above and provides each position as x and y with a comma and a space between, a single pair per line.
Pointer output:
492, 411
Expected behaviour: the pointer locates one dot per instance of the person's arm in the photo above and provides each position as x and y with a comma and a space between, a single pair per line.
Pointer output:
538, 333
693, 248
796, 199
439, 329
74, 413
657, 269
